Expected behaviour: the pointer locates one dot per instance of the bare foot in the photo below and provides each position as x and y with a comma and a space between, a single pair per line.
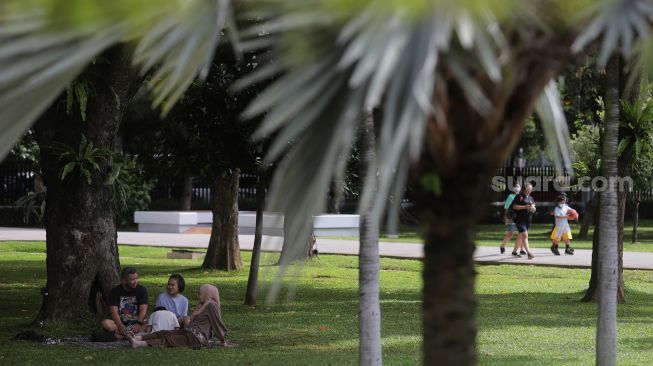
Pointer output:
135, 342
228, 344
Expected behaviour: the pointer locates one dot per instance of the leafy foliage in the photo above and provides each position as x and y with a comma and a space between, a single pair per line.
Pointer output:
131, 187
77, 95
637, 133
585, 145
32, 205
83, 160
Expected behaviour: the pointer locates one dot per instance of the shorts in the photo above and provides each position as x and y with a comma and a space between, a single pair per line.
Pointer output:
522, 227
511, 227
558, 233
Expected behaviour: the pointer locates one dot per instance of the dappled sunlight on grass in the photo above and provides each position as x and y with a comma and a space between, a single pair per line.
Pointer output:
526, 314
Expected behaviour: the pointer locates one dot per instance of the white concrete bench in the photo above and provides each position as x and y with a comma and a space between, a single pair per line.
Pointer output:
182, 221
165, 221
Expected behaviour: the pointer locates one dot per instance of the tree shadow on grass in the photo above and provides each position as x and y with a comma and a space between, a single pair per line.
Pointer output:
555, 310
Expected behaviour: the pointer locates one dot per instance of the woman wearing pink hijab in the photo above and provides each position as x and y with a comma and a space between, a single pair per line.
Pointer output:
205, 323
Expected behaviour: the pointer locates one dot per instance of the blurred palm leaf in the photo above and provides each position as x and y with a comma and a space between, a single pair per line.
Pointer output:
37, 63
45, 44
625, 26
381, 59
620, 22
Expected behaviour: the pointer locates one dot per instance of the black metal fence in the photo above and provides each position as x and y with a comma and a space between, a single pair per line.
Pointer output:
547, 183
16, 180
167, 190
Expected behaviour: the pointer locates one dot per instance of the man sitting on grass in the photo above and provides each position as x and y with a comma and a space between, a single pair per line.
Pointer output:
128, 305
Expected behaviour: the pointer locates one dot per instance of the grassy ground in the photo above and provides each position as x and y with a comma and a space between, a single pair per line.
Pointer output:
492, 235
527, 315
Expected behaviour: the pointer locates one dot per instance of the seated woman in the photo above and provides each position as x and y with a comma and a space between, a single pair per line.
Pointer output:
173, 300
205, 323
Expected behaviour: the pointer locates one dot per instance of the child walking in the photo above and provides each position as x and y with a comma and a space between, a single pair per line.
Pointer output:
561, 230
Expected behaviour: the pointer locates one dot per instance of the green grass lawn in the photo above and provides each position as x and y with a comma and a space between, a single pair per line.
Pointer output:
527, 315
492, 235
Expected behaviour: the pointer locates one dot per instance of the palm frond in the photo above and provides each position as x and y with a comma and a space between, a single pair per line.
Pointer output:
619, 22
378, 59
182, 45
554, 124
45, 44
37, 62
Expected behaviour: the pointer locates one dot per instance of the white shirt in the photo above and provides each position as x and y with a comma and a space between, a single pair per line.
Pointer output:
562, 211
163, 320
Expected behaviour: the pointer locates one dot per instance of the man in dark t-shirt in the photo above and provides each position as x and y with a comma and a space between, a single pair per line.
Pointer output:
524, 207
128, 305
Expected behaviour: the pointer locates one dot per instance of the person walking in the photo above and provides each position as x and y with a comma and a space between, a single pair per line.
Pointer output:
524, 206
561, 230
507, 218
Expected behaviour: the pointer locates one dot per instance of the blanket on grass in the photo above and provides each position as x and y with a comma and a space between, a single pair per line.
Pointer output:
85, 341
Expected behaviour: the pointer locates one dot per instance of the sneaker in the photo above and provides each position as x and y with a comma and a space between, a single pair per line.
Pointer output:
516, 255
530, 256
502, 249
554, 250
522, 252
569, 251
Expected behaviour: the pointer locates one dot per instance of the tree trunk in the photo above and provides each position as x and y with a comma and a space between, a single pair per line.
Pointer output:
252, 280
624, 169
369, 307
448, 300
588, 217
290, 253
590, 294
392, 221
186, 191
82, 254
635, 216
461, 152
334, 197
224, 250
606, 330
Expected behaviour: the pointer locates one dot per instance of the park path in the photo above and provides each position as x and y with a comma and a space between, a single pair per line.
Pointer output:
486, 255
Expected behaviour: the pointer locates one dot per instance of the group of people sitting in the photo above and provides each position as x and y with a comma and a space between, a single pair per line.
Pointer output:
169, 324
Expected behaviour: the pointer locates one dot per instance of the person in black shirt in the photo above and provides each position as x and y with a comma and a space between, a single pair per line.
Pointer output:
524, 206
128, 305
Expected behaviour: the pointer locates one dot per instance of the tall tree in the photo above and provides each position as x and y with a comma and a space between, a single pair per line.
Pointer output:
606, 330
82, 253
252, 279
369, 266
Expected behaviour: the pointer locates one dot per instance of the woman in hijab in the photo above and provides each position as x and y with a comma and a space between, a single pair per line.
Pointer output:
205, 323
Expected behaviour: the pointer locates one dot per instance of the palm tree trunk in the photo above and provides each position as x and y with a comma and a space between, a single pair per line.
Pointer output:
606, 330
224, 250
369, 307
252, 280
448, 300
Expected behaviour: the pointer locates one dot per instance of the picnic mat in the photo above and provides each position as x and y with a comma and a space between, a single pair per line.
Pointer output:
85, 341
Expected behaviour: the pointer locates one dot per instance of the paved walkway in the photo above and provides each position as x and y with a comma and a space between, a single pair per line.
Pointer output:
486, 255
